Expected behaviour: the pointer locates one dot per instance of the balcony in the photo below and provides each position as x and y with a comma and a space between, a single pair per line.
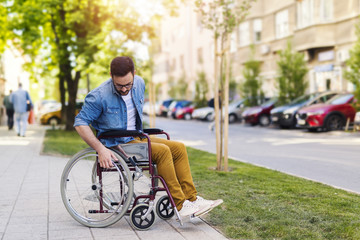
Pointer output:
315, 36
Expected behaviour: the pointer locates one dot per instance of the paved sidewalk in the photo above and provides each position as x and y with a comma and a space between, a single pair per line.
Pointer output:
31, 206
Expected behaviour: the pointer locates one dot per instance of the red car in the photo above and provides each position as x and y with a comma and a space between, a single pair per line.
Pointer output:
259, 114
182, 109
329, 116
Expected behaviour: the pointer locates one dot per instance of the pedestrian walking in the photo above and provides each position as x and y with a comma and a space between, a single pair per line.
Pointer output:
22, 105
9, 111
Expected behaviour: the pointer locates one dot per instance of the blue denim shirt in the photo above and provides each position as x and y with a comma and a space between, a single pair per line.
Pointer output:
105, 110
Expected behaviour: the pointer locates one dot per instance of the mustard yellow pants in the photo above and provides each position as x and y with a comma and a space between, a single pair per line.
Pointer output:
173, 165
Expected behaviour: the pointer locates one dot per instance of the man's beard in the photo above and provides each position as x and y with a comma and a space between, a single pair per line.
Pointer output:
124, 93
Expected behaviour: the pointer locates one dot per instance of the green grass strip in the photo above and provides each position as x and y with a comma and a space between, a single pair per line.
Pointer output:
258, 203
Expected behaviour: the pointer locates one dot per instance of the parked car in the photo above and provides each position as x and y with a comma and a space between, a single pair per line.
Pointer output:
357, 118
329, 116
164, 107
207, 113
146, 108
176, 106
285, 116
185, 112
259, 114
54, 117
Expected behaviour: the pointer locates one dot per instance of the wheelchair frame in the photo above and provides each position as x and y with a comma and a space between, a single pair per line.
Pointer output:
141, 215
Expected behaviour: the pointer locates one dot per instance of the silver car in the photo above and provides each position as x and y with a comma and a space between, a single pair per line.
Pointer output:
207, 113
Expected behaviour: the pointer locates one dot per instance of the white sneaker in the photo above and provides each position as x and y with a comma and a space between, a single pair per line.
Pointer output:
188, 209
206, 206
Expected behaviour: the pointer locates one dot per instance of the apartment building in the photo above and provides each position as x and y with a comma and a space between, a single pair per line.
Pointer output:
324, 30
184, 50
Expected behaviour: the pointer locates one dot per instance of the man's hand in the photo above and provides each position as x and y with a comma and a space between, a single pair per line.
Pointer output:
105, 154
105, 157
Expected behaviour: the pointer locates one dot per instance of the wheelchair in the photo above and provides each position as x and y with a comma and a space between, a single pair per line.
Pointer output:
99, 197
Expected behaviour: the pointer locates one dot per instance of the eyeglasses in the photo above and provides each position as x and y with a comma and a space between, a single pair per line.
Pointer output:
127, 86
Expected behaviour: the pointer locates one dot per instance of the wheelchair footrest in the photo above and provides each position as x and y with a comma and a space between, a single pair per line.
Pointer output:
98, 211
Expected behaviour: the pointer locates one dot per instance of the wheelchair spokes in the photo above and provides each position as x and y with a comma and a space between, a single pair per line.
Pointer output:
94, 196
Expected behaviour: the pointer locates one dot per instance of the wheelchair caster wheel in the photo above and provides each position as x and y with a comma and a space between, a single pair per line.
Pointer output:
164, 209
136, 219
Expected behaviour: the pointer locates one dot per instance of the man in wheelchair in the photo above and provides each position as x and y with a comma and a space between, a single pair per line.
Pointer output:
117, 104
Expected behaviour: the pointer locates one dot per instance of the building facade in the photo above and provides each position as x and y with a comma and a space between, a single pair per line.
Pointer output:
184, 50
324, 30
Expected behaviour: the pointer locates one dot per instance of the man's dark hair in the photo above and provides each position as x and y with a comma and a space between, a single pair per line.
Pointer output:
120, 66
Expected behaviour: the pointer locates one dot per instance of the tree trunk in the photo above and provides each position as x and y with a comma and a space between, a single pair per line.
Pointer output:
72, 93
226, 101
216, 106
62, 97
152, 104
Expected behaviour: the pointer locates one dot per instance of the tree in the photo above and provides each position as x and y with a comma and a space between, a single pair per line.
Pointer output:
177, 89
251, 88
172, 87
182, 86
221, 17
71, 33
292, 70
353, 63
201, 89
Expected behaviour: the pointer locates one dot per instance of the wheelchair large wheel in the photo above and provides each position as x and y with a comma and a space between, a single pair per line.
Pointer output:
164, 208
94, 196
136, 215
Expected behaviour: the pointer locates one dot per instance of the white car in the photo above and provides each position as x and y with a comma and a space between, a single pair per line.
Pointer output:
205, 113
146, 108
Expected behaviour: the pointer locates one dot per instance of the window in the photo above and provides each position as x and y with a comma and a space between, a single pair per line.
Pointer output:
257, 27
174, 64
282, 24
326, 10
200, 55
182, 61
233, 42
305, 13
244, 35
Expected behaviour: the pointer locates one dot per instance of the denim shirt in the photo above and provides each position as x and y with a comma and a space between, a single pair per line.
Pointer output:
19, 99
105, 110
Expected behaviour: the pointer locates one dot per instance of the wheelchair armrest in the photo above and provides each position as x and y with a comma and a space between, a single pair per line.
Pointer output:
153, 130
121, 133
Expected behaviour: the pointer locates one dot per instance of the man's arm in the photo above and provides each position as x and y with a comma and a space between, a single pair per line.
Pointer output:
105, 155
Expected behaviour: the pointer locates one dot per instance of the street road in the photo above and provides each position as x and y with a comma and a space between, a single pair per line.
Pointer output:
332, 158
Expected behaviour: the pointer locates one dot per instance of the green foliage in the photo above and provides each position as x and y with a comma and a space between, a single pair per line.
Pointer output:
232, 89
201, 89
182, 86
222, 16
4, 28
251, 88
75, 37
172, 87
353, 72
264, 204
60, 142
178, 89
292, 70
